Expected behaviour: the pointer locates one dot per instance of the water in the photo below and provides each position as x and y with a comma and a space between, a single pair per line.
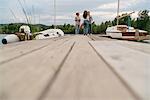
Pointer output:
1, 37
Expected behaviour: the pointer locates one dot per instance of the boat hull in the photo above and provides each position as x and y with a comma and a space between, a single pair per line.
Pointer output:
124, 33
129, 36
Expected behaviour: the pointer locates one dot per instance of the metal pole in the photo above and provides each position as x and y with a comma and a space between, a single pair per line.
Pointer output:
27, 19
54, 14
33, 14
118, 12
39, 19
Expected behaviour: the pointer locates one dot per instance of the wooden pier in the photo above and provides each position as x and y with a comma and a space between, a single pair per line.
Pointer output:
75, 67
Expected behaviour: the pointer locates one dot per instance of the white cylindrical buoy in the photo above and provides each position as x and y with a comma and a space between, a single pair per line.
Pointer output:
10, 38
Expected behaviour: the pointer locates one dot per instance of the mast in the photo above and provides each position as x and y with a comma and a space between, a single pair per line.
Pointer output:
118, 12
54, 14
33, 14
15, 18
24, 11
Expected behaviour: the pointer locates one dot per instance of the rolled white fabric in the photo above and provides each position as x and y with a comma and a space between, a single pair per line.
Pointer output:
10, 38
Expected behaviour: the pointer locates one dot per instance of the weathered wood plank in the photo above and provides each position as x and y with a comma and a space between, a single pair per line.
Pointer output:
26, 77
143, 47
15, 50
59, 72
131, 65
84, 76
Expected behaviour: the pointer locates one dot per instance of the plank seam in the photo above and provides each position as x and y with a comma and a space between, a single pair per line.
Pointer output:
11, 59
91, 38
53, 79
29, 52
133, 93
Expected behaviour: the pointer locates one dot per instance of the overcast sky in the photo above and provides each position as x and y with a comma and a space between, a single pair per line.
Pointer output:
42, 11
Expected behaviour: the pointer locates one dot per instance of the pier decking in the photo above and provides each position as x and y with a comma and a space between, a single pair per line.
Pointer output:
75, 67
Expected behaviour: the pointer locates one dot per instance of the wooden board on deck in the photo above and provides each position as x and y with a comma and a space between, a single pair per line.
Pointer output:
129, 62
65, 69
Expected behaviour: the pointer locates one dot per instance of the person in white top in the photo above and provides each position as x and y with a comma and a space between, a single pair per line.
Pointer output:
77, 23
90, 22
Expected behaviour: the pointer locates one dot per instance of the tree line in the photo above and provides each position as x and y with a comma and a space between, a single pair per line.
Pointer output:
142, 22
14, 27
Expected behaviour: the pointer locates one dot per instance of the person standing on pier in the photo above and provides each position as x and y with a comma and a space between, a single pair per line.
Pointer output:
85, 23
90, 22
77, 23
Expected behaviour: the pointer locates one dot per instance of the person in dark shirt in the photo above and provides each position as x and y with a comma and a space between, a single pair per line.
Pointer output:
85, 23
